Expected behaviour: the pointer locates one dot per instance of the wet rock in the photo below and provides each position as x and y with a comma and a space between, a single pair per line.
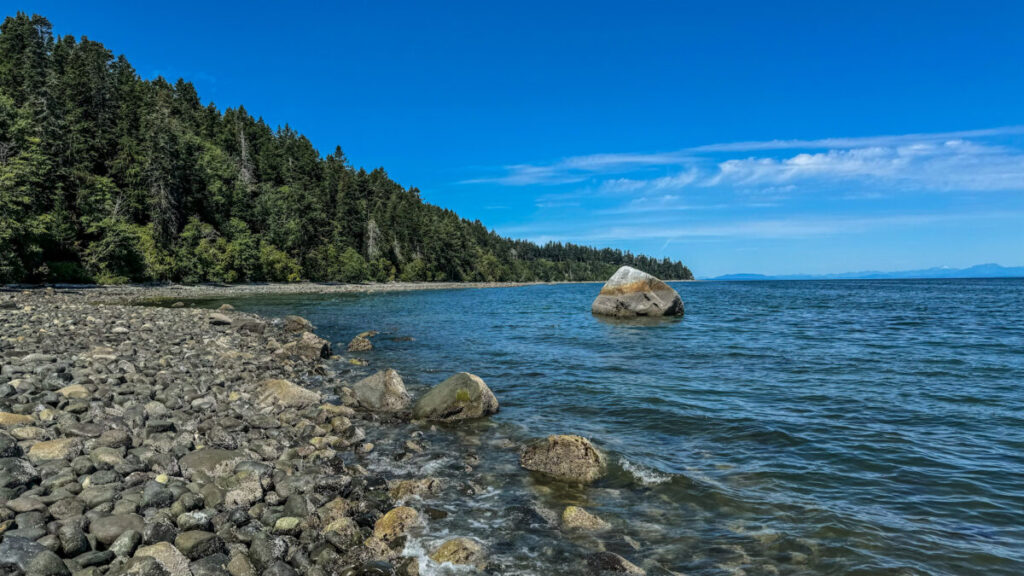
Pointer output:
402, 489
343, 533
373, 568
460, 397
630, 293
565, 457
576, 518
461, 551
602, 563
284, 393
23, 556
360, 343
395, 523
382, 392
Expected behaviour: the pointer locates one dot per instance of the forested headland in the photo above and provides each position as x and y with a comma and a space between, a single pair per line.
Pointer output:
107, 177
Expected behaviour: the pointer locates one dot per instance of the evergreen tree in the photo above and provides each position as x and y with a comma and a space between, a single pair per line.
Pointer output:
106, 177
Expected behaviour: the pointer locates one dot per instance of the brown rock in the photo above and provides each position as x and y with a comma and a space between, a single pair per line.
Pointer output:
630, 293
565, 457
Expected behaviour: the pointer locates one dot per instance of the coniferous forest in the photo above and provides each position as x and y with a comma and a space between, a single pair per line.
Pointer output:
106, 177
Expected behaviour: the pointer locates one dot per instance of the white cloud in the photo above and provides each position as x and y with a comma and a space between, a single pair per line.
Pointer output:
952, 165
800, 227
963, 160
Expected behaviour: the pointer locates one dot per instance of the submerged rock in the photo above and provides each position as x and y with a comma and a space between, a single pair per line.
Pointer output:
631, 292
576, 518
382, 392
566, 457
601, 563
461, 397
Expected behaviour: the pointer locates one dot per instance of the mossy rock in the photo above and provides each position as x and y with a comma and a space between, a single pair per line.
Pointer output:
464, 396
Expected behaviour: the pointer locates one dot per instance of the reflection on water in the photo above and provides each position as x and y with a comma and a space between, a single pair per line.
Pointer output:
839, 427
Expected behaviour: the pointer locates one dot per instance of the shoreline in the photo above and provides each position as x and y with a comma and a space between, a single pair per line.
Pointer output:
144, 293
198, 441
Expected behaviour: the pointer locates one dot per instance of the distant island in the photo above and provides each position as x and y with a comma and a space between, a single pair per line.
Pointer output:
978, 271
109, 178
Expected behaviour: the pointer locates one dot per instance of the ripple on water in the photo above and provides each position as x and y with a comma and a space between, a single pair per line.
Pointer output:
849, 427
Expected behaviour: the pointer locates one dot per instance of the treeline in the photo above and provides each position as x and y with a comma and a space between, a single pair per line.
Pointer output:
106, 177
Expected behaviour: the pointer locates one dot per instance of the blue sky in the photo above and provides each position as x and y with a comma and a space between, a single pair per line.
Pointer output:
789, 137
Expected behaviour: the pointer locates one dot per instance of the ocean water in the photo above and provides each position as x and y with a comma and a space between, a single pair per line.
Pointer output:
833, 427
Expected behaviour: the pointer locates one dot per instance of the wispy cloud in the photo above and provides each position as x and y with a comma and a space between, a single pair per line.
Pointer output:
858, 142
797, 227
964, 160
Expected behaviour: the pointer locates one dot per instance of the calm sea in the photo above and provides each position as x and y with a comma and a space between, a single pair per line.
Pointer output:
834, 427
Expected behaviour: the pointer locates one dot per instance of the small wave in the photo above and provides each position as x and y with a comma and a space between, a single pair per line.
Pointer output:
643, 474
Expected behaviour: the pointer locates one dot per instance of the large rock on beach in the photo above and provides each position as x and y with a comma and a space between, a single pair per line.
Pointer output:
382, 392
309, 347
566, 458
463, 396
631, 292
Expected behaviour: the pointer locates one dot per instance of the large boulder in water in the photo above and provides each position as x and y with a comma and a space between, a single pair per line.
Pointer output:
631, 292
567, 458
461, 397
382, 392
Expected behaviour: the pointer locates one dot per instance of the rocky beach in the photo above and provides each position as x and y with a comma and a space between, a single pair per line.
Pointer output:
172, 440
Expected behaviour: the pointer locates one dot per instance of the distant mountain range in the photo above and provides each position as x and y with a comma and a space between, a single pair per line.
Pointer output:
979, 271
